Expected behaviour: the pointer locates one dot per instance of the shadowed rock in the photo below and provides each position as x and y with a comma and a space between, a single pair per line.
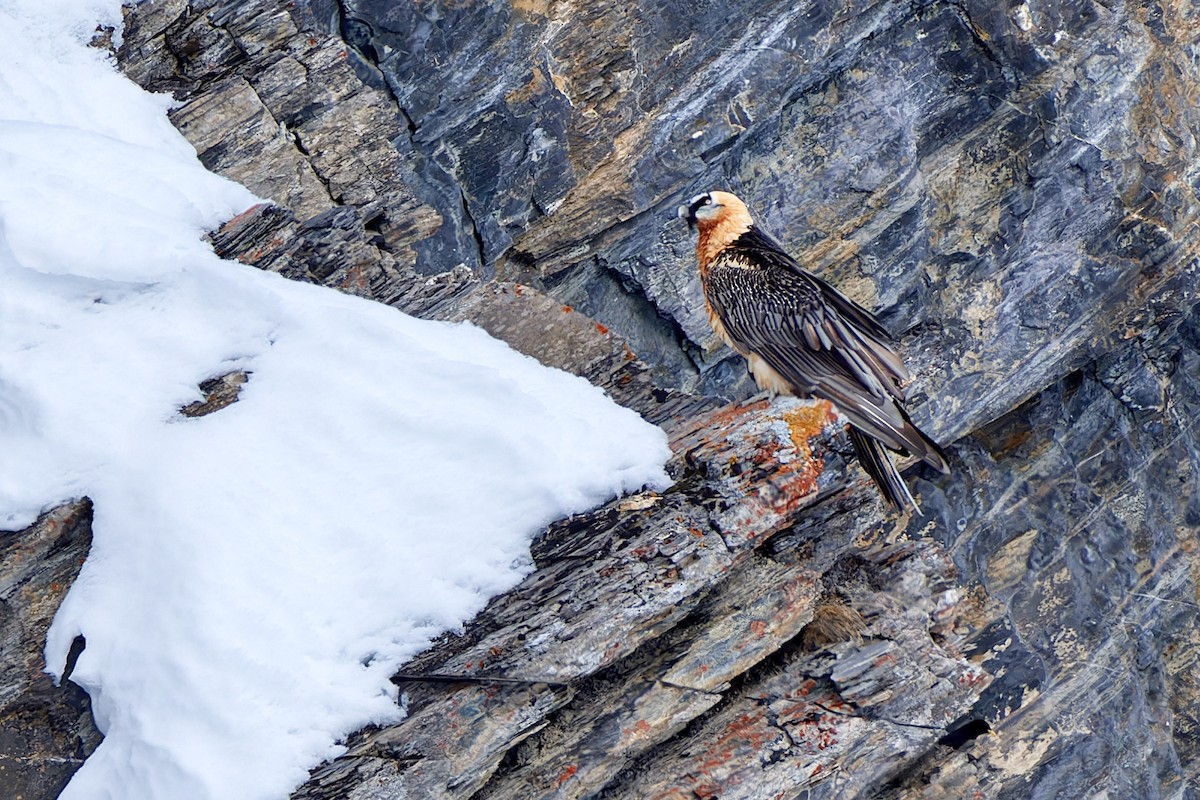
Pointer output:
1012, 187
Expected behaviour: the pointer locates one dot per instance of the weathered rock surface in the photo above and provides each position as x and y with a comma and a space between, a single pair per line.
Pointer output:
46, 731
657, 636
1016, 188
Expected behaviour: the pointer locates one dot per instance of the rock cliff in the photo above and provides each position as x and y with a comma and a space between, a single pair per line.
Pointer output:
47, 730
1014, 187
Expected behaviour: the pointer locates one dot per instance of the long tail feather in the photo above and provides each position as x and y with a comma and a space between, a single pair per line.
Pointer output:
875, 460
929, 451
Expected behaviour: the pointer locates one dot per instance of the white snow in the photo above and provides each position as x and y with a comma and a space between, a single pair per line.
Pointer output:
257, 574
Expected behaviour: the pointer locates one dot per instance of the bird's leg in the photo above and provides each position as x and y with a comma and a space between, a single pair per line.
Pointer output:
766, 394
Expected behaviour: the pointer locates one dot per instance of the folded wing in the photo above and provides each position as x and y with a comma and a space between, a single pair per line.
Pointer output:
820, 341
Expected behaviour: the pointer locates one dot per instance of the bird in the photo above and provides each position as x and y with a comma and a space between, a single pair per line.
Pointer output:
802, 337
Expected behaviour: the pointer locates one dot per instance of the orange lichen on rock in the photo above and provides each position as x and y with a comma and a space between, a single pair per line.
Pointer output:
805, 422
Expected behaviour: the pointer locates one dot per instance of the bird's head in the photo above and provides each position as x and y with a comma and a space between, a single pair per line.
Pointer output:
713, 208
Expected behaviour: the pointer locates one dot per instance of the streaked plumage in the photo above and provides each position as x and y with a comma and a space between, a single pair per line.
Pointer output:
803, 337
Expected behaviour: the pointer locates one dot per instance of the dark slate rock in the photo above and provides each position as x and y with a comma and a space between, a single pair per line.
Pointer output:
1015, 188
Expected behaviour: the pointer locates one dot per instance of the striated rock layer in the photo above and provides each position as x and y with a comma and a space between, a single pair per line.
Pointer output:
1015, 188
46, 731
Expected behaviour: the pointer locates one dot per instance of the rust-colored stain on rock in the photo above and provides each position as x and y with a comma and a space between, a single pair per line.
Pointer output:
566, 775
244, 217
639, 728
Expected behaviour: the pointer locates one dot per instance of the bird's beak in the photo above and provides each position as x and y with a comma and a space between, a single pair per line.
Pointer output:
683, 212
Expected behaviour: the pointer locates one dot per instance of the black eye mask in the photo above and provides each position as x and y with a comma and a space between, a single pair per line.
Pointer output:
689, 212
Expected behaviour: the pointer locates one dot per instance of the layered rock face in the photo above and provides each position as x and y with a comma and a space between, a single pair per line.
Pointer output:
1015, 188
46, 731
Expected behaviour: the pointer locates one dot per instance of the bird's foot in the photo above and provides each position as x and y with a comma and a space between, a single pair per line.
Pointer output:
765, 395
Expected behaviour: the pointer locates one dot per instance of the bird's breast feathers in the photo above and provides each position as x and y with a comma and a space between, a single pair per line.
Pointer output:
718, 326
715, 240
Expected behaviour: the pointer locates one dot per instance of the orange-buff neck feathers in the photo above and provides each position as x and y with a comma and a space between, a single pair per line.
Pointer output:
721, 229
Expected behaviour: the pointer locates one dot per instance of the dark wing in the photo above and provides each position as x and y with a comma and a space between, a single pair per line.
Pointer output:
759, 245
819, 340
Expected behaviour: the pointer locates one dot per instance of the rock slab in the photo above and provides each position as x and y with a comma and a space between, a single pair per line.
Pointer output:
1013, 188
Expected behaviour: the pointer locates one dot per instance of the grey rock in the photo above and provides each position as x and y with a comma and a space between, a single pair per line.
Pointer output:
1012, 187
664, 621
219, 392
1082, 560
46, 731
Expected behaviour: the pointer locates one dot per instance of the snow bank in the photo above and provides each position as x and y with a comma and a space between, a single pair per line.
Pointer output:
256, 574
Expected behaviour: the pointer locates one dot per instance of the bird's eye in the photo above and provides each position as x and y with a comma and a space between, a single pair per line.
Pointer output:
708, 200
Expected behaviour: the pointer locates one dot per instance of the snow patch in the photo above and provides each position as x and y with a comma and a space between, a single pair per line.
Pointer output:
256, 574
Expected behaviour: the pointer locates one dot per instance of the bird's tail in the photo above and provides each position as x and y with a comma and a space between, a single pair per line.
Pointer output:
878, 464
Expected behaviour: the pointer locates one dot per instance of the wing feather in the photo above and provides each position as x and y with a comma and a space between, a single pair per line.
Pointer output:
820, 341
